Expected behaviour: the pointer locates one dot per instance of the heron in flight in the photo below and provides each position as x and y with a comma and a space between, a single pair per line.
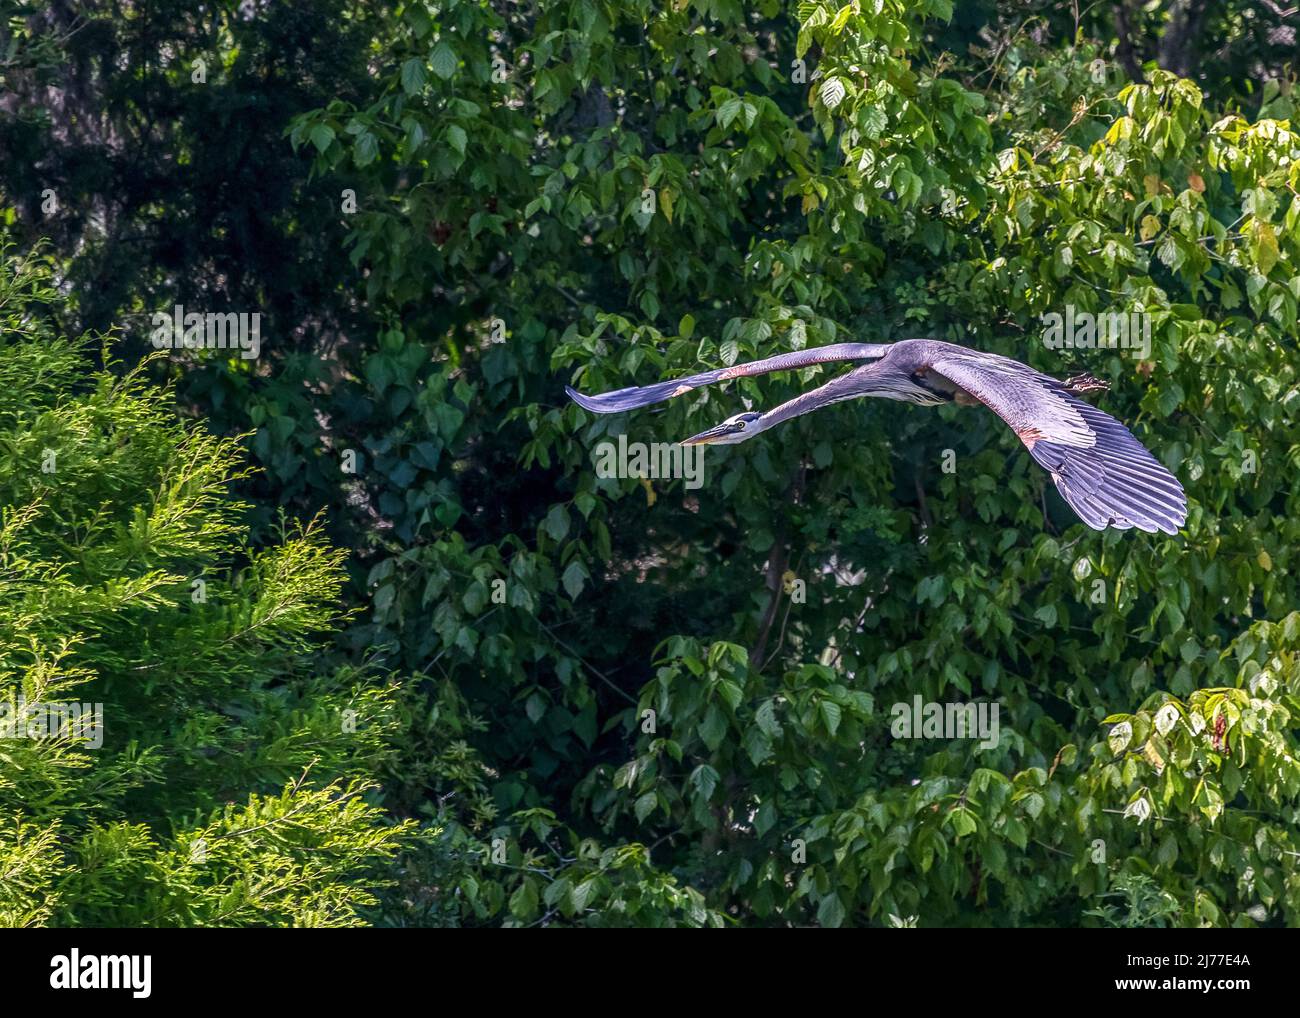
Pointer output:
1104, 473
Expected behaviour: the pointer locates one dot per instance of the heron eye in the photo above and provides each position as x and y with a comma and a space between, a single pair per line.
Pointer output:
740, 425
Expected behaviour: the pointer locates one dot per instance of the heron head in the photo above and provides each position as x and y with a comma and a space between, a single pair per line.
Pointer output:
732, 431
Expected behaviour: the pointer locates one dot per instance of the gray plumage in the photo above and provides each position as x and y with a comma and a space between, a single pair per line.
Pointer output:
1102, 471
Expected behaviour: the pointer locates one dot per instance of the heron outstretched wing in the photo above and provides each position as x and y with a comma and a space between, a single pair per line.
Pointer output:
1106, 475
644, 395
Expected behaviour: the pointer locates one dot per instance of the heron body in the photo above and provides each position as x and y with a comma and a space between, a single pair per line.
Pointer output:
1105, 474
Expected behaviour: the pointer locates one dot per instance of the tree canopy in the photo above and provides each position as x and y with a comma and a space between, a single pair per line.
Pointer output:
569, 698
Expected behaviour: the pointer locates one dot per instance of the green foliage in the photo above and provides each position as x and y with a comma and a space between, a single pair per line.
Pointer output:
916, 196
219, 784
617, 711
1144, 904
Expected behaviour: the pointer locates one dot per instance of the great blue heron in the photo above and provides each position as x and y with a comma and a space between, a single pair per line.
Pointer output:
1104, 473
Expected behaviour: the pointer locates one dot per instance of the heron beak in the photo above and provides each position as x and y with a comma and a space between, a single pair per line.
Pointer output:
713, 434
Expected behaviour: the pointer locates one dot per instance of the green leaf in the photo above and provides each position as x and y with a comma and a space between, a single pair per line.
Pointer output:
556, 523
704, 779
366, 149
830, 913
413, 76
1264, 246
832, 92
831, 714
523, 903
574, 579
728, 111
645, 805
765, 718
321, 136
714, 727
443, 61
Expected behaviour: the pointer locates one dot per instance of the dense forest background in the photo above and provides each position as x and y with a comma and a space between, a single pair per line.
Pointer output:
374, 642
